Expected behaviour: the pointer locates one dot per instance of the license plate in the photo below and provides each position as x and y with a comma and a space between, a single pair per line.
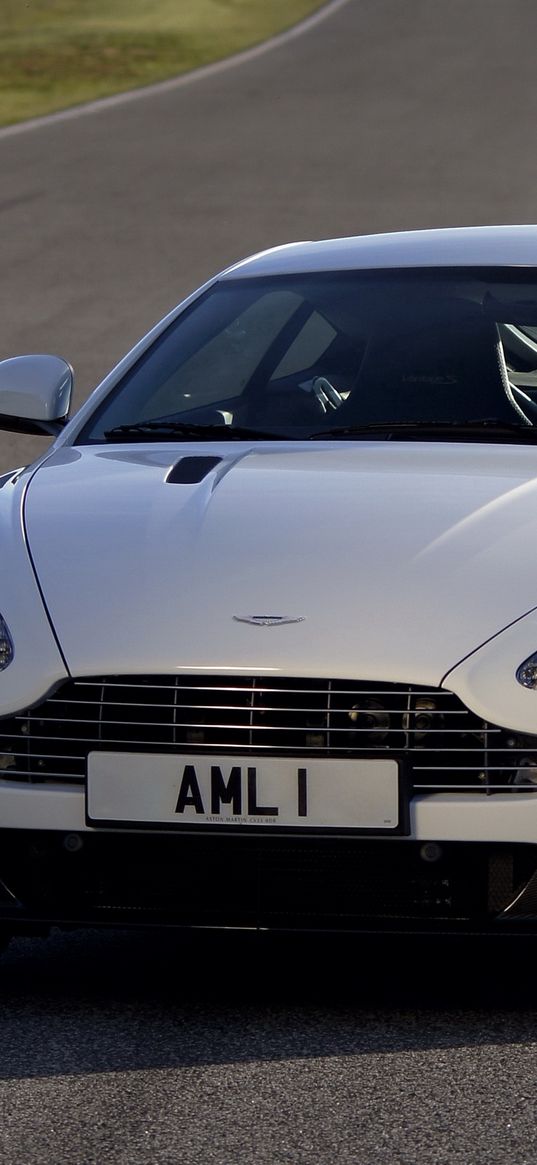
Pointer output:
232, 791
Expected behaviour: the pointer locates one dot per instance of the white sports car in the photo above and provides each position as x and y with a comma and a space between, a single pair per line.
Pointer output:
268, 634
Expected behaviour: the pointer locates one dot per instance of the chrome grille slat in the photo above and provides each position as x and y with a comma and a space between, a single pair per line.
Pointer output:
476, 788
246, 725
447, 746
156, 745
464, 768
32, 776
414, 750
48, 755
437, 693
290, 709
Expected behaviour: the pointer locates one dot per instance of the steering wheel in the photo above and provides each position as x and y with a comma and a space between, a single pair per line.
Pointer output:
326, 394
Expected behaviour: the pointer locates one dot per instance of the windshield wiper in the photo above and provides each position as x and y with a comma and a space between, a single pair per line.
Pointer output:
480, 427
161, 430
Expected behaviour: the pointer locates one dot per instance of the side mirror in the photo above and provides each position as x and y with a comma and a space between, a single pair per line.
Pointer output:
35, 394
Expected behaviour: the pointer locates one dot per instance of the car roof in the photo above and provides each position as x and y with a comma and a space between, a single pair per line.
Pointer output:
489, 246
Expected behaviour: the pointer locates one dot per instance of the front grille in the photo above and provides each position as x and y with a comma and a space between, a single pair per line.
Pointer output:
446, 746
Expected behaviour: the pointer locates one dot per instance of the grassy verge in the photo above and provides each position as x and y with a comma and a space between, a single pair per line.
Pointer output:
56, 53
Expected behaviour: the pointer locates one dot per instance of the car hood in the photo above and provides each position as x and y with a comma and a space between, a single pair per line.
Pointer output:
398, 558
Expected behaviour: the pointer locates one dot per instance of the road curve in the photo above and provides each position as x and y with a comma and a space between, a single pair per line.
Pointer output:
385, 116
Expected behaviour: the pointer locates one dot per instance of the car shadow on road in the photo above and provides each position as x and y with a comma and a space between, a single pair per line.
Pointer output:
117, 1001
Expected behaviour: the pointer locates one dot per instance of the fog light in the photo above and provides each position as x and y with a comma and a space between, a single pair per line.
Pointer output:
6, 646
431, 851
72, 842
526, 674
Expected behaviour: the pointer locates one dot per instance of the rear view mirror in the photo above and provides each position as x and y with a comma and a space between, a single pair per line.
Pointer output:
35, 394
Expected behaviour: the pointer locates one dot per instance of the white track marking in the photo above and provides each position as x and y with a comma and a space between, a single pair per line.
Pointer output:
104, 103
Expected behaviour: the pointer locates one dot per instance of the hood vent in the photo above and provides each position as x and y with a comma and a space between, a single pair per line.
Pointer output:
190, 470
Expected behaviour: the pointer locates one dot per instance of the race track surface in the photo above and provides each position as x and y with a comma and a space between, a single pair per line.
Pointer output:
126, 1049
117, 1048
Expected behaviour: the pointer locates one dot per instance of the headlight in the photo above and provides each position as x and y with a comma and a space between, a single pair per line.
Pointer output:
6, 646
526, 674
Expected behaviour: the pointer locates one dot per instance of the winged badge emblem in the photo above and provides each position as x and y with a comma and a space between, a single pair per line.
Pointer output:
268, 620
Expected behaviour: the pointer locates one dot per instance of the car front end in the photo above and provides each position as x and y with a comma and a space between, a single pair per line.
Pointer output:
268, 616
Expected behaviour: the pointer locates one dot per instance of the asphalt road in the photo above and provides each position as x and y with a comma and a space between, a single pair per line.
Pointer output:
117, 1048
123, 1049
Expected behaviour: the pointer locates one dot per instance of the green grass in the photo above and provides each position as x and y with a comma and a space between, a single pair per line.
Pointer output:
56, 53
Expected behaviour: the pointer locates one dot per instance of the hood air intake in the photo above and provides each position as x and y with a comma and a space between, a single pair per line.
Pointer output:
190, 470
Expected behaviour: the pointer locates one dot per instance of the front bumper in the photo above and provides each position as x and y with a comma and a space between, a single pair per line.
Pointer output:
462, 776
125, 878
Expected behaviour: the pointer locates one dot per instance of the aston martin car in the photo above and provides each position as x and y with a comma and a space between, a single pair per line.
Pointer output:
268, 604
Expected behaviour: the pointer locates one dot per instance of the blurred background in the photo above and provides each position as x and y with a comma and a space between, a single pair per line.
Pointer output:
374, 115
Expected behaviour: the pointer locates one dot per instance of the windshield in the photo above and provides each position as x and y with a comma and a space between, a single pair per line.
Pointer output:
292, 357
